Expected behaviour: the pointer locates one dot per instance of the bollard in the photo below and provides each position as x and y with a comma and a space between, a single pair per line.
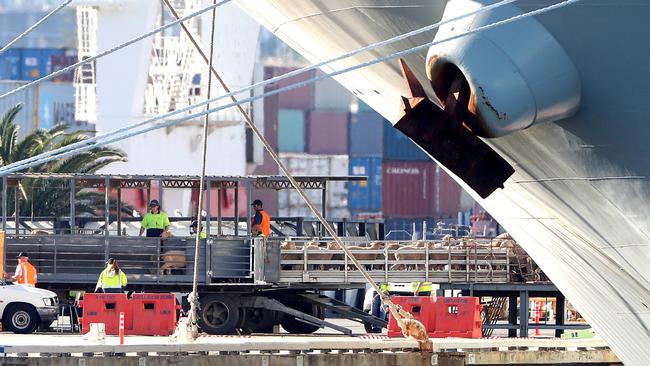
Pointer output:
538, 306
121, 331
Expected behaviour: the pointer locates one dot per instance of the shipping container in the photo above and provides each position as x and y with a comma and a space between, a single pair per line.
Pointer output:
300, 98
44, 105
447, 194
26, 120
289, 201
365, 196
408, 189
366, 134
328, 132
329, 95
11, 64
59, 62
291, 130
33, 64
46, 58
55, 104
398, 147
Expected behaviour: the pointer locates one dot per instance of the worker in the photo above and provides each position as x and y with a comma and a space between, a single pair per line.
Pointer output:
193, 227
25, 273
261, 222
112, 279
155, 222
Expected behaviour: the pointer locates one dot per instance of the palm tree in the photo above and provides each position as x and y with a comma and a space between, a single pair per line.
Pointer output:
40, 197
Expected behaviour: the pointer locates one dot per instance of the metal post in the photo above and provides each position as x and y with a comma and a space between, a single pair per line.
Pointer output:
512, 314
5, 181
523, 313
426, 262
324, 205
107, 216
119, 211
16, 208
160, 194
208, 184
449, 261
249, 195
73, 214
559, 313
208, 240
237, 209
219, 218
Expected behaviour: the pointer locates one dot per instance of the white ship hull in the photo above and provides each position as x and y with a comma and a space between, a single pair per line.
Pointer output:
579, 198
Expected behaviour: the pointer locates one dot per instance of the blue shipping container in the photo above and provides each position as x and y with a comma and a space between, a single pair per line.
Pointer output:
46, 57
291, 130
11, 64
365, 196
398, 147
366, 134
32, 64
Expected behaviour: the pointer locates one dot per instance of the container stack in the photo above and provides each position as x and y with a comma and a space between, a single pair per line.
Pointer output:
47, 104
34, 63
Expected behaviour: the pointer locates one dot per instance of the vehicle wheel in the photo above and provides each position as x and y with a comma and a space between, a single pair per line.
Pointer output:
219, 314
20, 318
294, 326
260, 320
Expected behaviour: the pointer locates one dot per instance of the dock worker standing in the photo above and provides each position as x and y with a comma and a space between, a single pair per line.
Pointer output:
193, 228
156, 222
25, 273
112, 279
261, 222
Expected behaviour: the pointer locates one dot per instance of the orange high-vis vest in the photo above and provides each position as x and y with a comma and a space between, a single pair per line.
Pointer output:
265, 226
27, 274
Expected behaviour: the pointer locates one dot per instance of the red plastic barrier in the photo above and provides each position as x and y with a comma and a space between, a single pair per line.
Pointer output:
443, 317
144, 314
421, 307
154, 314
458, 317
105, 308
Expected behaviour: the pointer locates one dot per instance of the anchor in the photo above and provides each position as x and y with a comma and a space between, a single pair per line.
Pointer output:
445, 134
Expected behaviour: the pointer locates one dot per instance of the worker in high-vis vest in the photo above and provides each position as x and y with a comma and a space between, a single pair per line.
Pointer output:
155, 222
261, 222
25, 273
112, 279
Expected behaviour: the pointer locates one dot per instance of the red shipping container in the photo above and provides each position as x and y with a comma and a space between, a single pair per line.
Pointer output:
300, 98
328, 133
408, 189
447, 194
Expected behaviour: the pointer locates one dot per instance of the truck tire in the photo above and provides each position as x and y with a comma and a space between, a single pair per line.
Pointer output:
219, 314
20, 318
294, 326
259, 320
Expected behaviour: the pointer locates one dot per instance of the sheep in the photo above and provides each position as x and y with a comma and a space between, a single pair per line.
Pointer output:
172, 259
289, 245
